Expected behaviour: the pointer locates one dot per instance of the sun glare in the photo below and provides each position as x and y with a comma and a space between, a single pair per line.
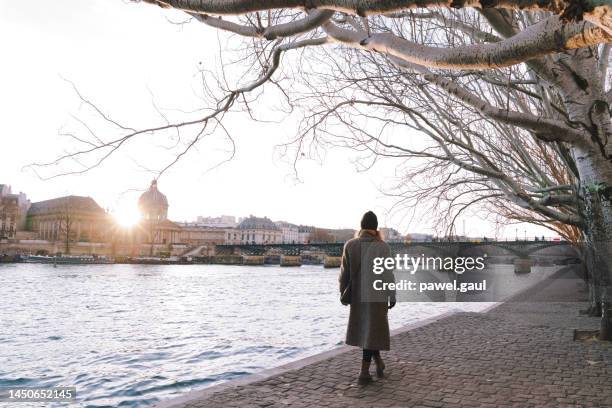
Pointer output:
127, 216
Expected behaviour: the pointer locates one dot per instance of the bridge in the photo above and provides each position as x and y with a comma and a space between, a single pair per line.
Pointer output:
521, 249
521, 253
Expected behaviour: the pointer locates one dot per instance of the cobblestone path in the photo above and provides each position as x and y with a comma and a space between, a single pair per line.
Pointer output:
520, 354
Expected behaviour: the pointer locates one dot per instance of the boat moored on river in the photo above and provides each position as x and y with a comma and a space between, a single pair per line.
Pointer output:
67, 259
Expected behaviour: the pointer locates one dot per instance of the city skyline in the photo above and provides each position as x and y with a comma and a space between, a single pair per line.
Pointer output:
132, 215
136, 216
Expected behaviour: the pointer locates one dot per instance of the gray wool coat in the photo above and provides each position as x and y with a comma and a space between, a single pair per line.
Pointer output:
368, 326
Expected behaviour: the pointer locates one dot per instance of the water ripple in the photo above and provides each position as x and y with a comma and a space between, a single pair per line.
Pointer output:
132, 335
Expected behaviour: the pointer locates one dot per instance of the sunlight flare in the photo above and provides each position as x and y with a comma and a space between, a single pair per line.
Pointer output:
127, 215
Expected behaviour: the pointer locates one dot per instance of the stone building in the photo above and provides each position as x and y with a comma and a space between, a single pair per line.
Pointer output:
255, 230
69, 219
13, 210
304, 232
155, 228
223, 221
195, 234
291, 234
153, 204
232, 236
9, 214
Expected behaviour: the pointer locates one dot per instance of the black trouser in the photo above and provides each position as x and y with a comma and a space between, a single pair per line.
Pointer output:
368, 354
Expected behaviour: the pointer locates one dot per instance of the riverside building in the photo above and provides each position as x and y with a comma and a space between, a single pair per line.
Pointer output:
290, 232
70, 218
223, 221
13, 211
255, 231
155, 228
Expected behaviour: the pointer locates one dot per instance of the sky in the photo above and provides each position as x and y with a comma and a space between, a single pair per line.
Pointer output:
131, 61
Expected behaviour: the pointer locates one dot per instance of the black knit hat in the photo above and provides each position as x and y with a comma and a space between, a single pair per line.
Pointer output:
369, 221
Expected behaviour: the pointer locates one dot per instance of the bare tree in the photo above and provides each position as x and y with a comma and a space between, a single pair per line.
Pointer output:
319, 235
470, 159
66, 224
153, 233
508, 91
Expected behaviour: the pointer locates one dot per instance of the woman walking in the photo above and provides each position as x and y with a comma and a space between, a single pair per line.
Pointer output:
368, 326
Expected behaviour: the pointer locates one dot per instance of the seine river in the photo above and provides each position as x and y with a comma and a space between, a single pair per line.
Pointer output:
131, 335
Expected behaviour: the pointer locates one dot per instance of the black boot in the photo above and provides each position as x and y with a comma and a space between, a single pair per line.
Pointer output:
364, 374
380, 366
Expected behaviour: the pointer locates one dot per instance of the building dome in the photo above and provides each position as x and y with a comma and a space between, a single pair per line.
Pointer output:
153, 204
256, 223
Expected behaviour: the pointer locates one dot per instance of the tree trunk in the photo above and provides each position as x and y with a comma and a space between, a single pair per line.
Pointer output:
594, 308
605, 331
585, 100
596, 181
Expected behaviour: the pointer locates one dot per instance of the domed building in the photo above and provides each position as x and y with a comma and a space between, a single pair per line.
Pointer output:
257, 230
158, 230
153, 204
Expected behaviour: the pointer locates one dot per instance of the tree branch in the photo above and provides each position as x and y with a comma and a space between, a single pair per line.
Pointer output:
313, 20
596, 11
546, 37
545, 129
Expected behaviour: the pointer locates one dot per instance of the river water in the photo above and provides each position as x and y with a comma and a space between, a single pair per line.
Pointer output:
131, 335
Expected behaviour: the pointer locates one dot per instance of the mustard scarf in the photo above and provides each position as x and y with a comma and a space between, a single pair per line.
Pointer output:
374, 233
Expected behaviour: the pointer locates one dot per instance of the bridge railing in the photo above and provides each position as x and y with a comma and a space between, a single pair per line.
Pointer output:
335, 248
